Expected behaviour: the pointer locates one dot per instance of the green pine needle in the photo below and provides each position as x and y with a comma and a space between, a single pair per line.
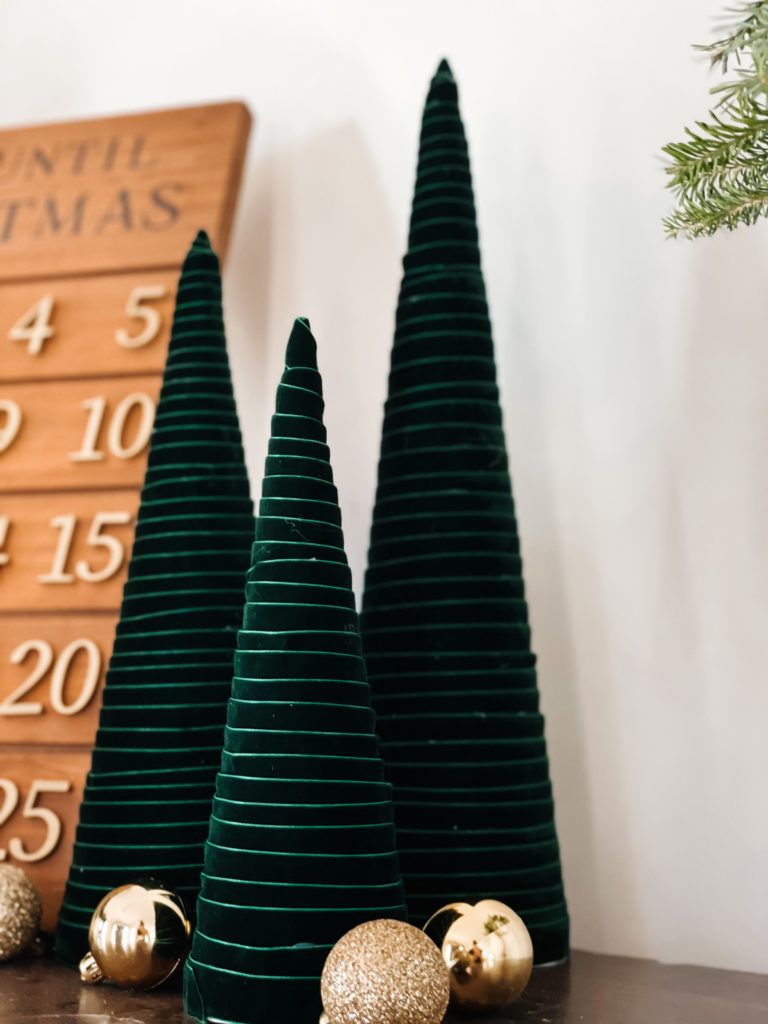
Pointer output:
719, 173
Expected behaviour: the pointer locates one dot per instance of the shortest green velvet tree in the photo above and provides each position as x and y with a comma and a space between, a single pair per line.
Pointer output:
301, 845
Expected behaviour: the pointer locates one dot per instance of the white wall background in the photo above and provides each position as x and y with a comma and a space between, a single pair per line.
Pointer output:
634, 374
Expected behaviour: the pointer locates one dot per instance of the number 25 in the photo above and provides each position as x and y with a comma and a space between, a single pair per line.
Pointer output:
51, 819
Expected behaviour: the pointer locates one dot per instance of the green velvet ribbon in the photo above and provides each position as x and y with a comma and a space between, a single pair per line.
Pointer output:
301, 845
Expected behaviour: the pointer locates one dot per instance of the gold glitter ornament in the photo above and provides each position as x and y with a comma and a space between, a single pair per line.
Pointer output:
20, 911
385, 972
487, 950
139, 936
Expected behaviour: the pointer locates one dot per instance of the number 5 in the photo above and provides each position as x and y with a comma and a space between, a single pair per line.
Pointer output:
151, 317
52, 821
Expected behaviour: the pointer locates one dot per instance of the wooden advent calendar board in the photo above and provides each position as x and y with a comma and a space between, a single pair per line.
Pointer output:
95, 220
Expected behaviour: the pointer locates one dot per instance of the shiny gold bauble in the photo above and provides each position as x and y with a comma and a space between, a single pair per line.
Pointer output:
384, 972
139, 936
488, 952
20, 911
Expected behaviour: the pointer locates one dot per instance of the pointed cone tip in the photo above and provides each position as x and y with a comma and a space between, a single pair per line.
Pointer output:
302, 347
200, 250
443, 86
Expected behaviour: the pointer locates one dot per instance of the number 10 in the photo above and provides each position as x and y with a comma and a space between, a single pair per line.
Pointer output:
115, 440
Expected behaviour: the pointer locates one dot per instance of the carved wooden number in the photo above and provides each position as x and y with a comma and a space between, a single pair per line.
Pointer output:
138, 405
61, 701
10, 427
149, 315
35, 326
82, 569
5, 522
31, 809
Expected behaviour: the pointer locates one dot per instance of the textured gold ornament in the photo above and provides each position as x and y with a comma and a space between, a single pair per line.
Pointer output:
20, 911
488, 952
384, 972
139, 936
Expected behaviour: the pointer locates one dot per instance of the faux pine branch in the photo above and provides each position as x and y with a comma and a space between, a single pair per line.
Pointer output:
719, 173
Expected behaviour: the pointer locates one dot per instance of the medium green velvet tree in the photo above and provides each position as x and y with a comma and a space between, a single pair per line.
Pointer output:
148, 794
302, 844
444, 618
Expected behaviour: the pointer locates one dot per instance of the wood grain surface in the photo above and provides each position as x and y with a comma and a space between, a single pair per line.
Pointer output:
28, 579
52, 670
85, 319
118, 193
53, 449
96, 218
50, 780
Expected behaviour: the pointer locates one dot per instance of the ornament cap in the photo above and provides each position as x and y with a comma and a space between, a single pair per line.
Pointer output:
90, 972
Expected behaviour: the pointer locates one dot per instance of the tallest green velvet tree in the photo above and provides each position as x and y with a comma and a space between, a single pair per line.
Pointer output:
444, 621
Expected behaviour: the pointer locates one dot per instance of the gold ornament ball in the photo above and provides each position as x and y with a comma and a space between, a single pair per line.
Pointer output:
385, 972
20, 911
139, 936
487, 950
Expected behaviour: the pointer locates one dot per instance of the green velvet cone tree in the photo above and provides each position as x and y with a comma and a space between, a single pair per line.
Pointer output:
444, 620
301, 845
148, 794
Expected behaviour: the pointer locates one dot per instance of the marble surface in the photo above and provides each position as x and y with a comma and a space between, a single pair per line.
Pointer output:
591, 989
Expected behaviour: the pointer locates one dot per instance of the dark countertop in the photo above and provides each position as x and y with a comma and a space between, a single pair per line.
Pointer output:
591, 989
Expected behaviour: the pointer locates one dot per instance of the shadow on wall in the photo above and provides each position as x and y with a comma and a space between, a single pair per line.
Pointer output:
319, 240
717, 553
559, 676
247, 303
556, 476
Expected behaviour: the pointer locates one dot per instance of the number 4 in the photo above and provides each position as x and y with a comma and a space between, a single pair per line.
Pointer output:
35, 326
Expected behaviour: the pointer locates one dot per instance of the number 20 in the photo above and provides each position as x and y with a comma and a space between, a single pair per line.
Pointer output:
13, 705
